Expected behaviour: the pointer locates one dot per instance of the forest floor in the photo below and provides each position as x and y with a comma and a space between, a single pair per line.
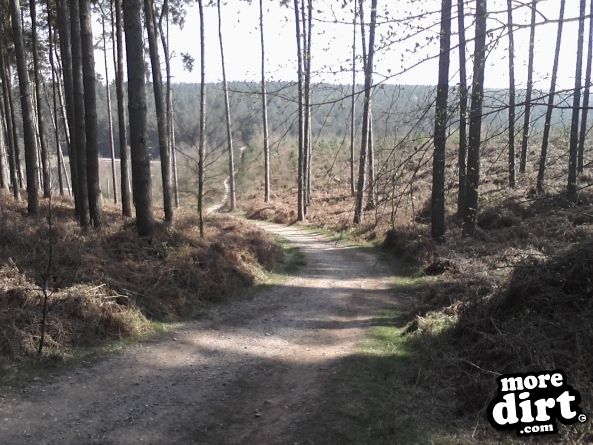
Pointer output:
254, 371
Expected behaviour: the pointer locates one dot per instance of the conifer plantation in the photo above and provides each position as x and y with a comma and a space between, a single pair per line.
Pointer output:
295, 221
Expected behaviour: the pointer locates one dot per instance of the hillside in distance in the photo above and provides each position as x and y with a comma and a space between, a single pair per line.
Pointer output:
397, 110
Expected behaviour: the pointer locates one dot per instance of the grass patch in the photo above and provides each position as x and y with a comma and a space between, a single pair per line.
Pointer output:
16, 375
291, 260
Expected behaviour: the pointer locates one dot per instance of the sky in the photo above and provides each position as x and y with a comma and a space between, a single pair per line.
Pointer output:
332, 42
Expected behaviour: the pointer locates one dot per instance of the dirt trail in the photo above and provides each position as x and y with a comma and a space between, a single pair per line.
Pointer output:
248, 373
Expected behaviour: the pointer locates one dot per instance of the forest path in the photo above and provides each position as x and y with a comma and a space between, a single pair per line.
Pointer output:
249, 372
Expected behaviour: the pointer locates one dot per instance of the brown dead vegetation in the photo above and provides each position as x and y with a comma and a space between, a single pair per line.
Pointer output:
517, 297
109, 284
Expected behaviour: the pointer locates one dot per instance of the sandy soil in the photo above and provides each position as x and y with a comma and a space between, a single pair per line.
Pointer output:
248, 373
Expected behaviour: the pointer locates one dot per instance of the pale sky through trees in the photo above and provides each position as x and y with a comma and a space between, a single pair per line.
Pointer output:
332, 42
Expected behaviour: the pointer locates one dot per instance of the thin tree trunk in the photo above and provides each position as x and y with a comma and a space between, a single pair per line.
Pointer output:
79, 141
462, 156
157, 86
512, 112
66, 134
300, 174
372, 194
310, 145
53, 110
202, 140
26, 109
40, 124
551, 96
141, 180
586, 94
529, 92
170, 127
90, 113
109, 113
3, 153
70, 122
6, 126
6, 115
440, 127
370, 147
15, 137
368, 82
353, 101
62, 109
574, 128
475, 122
229, 132
124, 150
174, 158
264, 106
307, 103
54, 98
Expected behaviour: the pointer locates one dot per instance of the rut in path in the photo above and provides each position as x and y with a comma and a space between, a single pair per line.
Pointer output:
247, 373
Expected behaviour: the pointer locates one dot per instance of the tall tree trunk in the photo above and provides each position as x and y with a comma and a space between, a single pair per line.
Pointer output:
300, 174
551, 96
475, 121
53, 110
529, 91
368, 82
440, 128
26, 109
90, 113
3, 155
60, 107
202, 141
372, 194
511, 95
353, 101
586, 94
574, 128
170, 126
15, 135
307, 102
132, 16
54, 98
370, 147
462, 154
229, 132
264, 99
157, 86
7, 113
109, 113
174, 158
40, 125
7, 141
124, 150
79, 142
66, 56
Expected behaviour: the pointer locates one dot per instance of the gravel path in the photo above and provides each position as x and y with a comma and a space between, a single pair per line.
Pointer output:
245, 374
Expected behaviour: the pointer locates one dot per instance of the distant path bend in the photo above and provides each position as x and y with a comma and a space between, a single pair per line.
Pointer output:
247, 373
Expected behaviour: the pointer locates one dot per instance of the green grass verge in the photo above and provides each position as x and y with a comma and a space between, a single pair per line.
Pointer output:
50, 364
379, 395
